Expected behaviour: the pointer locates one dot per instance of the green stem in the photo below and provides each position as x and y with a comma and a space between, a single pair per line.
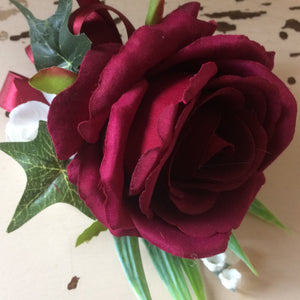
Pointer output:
155, 12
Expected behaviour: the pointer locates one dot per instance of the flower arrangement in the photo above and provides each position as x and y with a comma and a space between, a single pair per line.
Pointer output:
166, 138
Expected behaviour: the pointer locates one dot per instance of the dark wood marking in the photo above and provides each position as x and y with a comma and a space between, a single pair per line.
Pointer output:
117, 20
6, 13
236, 14
291, 80
294, 7
224, 27
266, 3
283, 35
73, 283
295, 54
23, 35
55, 2
292, 24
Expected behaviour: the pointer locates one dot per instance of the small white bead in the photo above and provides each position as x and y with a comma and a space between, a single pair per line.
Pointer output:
215, 263
230, 278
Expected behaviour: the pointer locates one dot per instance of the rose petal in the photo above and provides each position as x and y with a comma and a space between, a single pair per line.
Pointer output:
172, 240
155, 116
250, 142
145, 178
92, 17
112, 165
73, 102
90, 156
192, 202
206, 72
285, 126
227, 213
136, 57
16, 90
214, 48
73, 169
256, 91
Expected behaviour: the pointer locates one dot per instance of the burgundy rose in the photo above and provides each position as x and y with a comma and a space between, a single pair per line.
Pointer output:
173, 133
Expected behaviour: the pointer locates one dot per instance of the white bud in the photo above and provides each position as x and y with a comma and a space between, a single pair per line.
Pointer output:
24, 121
230, 278
215, 263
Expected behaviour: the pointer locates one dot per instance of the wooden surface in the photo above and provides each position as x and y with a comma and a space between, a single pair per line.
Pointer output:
39, 260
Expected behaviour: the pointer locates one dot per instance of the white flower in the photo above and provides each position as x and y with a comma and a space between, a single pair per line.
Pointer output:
49, 97
230, 278
215, 263
24, 121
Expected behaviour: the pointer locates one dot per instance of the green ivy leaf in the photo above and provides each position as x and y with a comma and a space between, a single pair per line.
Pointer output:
47, 181
262, 212
237, 250
155, 12
191, 269
51, 41
170, 271
90, 232
52, 80
130, 257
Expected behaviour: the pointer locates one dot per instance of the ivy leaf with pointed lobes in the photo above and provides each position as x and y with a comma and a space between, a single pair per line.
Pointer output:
52, 80
47, 180
51, 41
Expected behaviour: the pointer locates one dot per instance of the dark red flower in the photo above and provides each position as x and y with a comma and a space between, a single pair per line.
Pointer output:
172, 133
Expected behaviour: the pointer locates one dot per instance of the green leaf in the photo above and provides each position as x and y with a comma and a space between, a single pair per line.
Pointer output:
192, 272
129, 255
262, 212
51, 41
155, 12
237, 250
90, 232
52, 80
169, 269
47, 180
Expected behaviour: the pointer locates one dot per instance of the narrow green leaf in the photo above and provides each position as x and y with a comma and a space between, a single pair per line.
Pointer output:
129, 255
170, 271
52, 80
192, 272
47, 180
237, 250
90, 232
51, 41
155, 12
262, 212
